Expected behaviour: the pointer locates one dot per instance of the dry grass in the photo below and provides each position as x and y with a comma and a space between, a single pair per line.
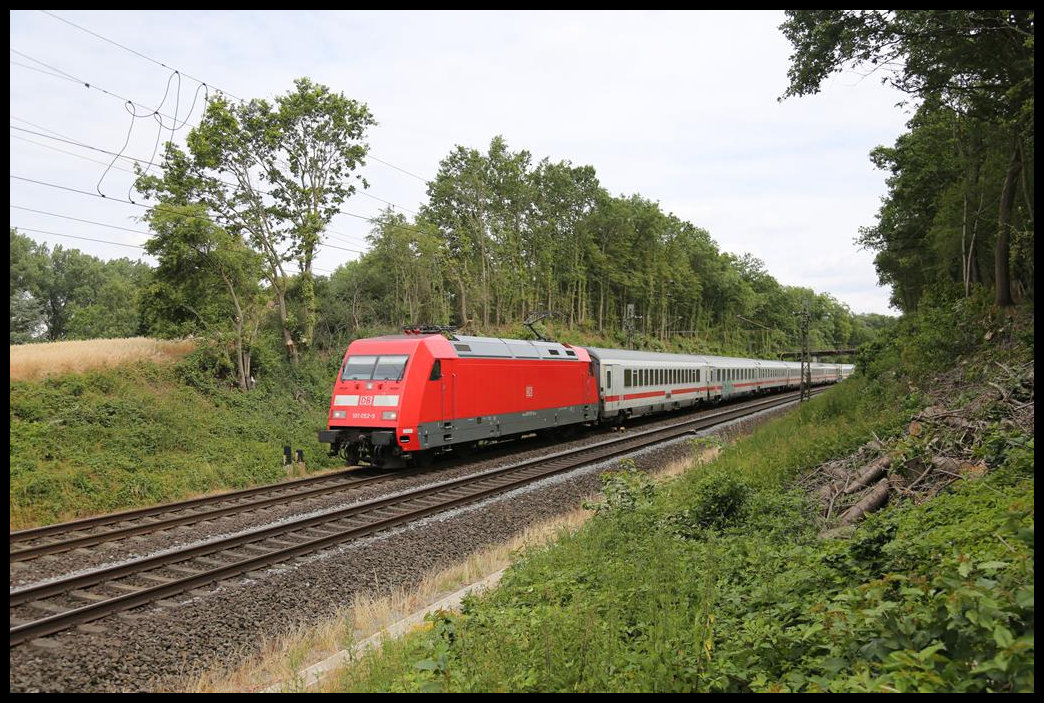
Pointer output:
33, 361
283, 660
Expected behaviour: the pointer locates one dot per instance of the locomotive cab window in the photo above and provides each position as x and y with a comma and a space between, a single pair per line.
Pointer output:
375, 368
390, 368
358, 368
436, 370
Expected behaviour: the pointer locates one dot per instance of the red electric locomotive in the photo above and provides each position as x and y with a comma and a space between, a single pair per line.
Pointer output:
399, 399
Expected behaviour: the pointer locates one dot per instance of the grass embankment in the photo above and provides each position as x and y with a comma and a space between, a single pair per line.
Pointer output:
722, 581
142, 433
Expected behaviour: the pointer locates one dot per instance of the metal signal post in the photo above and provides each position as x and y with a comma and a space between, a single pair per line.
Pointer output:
806, 355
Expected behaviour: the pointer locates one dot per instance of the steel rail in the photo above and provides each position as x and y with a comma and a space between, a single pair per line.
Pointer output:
34, 551
109, 518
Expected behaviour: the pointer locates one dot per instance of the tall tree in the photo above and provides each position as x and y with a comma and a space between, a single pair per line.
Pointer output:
979, 63
291, 168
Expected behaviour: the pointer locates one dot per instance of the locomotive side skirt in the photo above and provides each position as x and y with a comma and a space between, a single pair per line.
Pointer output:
474, 429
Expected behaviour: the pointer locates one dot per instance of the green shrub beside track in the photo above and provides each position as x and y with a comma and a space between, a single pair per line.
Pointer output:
140, 434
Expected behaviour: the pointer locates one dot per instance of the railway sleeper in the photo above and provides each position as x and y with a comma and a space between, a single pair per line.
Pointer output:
156, 579
91, 629
210, 561
253, 548
125, 587
86, 596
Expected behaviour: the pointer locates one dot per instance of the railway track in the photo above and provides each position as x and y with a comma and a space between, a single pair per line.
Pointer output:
54, 606
66, 536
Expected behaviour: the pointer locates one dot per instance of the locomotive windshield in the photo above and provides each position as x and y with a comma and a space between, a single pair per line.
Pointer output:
390, 368
374, 368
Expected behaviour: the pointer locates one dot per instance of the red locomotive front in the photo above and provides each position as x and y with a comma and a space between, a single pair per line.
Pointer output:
401, 398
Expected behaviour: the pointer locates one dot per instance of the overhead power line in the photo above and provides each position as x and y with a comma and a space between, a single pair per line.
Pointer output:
73, 236
200, 81
156, 208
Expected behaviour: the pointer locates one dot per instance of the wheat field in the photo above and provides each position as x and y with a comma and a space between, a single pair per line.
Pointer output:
32, 361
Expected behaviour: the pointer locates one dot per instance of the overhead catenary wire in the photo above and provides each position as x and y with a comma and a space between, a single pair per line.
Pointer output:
198, 80
157, 208
63, 138
66, 140
73, 236
173, 122
372, 220
119, 244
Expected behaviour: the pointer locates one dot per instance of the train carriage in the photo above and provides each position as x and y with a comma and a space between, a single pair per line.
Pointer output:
635, 383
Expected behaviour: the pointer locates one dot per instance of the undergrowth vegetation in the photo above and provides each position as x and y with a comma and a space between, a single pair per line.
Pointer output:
142, 433
725, 581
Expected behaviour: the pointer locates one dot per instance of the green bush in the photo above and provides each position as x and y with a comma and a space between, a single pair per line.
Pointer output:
718, 500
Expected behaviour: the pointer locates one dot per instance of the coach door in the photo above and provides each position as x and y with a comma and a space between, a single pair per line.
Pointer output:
612, 378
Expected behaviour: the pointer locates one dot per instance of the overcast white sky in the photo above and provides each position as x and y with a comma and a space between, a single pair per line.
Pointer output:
679, 107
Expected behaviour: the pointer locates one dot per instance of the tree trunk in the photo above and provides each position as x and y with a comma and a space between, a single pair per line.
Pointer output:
241, 367
871, 502
1003, 251
288, 338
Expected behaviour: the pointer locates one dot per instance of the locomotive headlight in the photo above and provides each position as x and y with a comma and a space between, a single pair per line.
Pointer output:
339, 414
389, 415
